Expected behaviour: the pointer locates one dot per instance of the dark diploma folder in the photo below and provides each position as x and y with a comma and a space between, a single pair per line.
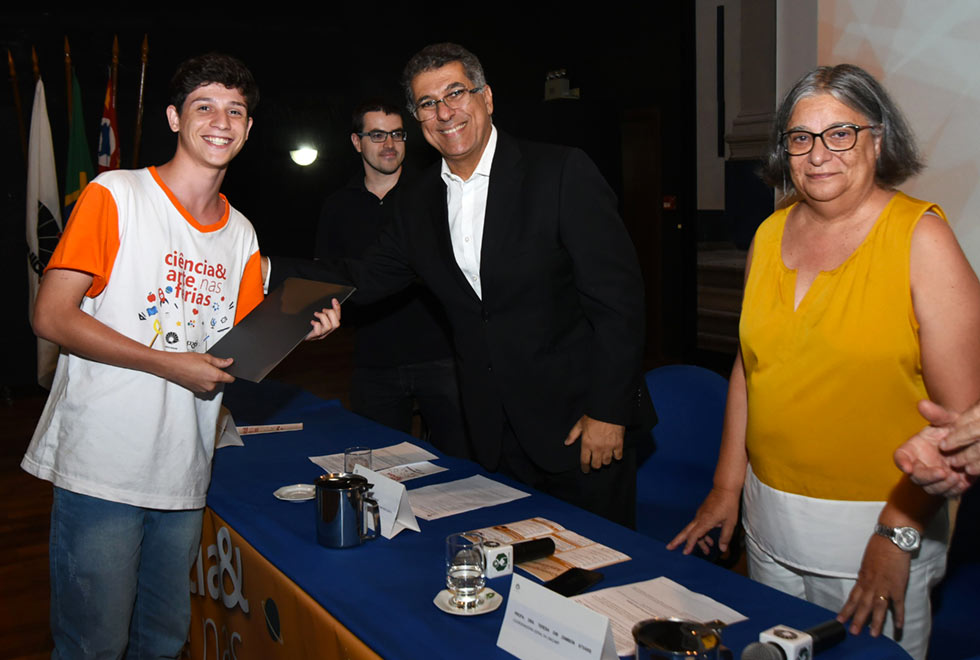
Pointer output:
276, 326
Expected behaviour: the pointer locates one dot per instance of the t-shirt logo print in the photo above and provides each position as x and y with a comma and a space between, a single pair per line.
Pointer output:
192, 287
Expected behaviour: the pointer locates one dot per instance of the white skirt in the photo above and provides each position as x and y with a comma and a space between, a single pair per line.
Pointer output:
826, 537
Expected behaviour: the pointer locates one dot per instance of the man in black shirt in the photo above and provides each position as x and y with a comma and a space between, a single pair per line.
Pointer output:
402, 351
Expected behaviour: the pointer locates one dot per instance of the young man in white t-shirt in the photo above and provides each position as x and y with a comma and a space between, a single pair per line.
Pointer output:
153, 268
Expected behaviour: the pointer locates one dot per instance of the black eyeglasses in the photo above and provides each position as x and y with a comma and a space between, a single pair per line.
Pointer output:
456, 99
842, 137
398, 135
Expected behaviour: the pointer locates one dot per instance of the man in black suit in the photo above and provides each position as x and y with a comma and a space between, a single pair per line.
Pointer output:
522, 245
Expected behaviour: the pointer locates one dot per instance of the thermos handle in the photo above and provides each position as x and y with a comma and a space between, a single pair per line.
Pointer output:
372, 505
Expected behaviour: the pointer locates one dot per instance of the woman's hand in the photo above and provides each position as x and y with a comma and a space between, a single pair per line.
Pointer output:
881, 581
719, 509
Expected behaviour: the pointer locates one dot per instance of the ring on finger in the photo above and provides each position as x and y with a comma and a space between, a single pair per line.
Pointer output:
884, 598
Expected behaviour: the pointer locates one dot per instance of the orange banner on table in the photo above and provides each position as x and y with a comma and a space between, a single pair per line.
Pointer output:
243, 607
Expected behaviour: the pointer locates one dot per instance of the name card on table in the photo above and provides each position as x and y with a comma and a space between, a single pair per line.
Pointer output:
540, 624
228, 435
394, 508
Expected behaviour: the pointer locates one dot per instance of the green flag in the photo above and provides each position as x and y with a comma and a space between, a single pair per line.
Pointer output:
78, 169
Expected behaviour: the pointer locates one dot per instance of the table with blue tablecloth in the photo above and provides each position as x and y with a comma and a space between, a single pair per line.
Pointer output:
292, 598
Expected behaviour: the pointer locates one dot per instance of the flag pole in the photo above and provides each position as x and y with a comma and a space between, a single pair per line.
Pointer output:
34, 65
144, 50
68, 78
20, 111
115, 64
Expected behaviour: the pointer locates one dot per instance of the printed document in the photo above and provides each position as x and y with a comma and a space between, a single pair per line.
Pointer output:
399, 462
661, 597
448, 499
571, 550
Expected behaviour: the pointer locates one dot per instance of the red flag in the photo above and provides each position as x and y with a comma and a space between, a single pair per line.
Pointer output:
108, 133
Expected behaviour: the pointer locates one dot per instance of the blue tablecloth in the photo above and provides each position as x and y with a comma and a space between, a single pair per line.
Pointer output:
382, 591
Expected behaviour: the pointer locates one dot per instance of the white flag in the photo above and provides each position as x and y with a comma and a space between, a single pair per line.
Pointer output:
43, 219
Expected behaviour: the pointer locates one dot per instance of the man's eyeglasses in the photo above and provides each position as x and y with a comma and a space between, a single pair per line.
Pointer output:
842, 137
456, 99
398, 135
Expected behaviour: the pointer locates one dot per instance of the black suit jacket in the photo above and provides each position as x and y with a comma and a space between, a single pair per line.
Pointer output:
559, 331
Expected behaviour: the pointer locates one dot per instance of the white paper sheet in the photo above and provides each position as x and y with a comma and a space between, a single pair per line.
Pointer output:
661, 597
382, 459
448, 499
413, 471
571, 549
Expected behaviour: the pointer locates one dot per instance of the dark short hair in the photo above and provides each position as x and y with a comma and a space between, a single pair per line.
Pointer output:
857, 89
371, 105
435, 56
213, 68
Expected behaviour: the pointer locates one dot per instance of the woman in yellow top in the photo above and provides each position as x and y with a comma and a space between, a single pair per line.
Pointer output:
858, 303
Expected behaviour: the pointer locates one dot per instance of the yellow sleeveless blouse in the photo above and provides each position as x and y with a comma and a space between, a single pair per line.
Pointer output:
833, 386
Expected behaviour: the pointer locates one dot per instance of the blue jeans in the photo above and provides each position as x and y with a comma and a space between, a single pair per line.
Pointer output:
120, 578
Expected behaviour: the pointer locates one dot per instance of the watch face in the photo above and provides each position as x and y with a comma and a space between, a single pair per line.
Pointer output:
906, 538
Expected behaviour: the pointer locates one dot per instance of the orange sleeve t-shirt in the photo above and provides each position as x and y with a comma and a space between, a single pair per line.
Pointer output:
160, 278
91, 241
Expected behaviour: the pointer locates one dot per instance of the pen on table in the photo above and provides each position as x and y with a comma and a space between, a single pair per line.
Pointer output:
269, 428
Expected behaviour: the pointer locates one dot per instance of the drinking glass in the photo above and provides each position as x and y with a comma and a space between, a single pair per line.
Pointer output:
465, 569
357, 456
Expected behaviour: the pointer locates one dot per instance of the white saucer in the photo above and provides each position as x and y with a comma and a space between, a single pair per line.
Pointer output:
491, 601
296, 492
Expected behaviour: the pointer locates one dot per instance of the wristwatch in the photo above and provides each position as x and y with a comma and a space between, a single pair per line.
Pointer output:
906, 538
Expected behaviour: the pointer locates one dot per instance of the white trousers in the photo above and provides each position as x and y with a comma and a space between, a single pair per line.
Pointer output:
832, 593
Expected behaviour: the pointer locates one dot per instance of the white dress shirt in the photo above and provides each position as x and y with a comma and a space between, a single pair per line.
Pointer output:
467, 204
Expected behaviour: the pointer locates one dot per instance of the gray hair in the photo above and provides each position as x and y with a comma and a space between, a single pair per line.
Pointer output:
857, 89
435, 56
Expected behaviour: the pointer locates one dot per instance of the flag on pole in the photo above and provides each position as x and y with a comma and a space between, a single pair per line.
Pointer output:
108, 153
78, 169
43, 219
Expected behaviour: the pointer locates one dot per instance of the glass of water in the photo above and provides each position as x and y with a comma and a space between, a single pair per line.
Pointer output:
465, 569
354, 456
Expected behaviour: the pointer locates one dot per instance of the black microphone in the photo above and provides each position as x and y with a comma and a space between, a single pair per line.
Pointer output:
785, 643
533, 549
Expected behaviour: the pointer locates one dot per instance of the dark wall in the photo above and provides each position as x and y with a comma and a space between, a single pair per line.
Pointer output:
312, 72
